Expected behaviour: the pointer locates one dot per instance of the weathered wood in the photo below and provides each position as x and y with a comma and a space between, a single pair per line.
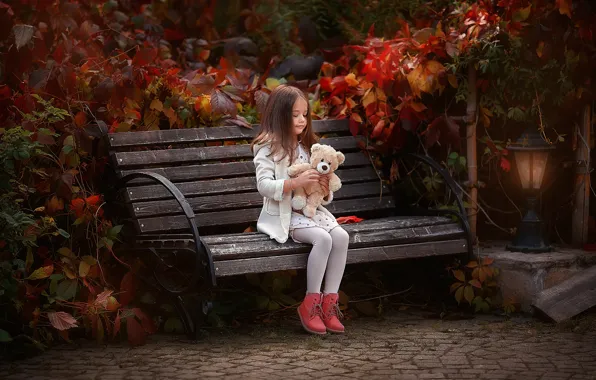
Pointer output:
166, 157
570, 297
250, 215
127, 140
581, 206
240, 200
231, 185
225, 170
183, 241
247, 249
355, 256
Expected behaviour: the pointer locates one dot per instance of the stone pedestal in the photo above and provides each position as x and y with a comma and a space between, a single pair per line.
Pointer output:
524, 275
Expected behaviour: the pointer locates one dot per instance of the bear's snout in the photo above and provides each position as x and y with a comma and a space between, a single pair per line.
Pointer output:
323, 168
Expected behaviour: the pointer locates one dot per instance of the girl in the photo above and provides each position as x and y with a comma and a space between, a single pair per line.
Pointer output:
286, 137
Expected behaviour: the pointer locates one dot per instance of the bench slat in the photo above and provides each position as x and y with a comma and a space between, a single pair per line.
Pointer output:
355, 256
167, 157
119, 141
225, 170
231, 185
247, 216
383, 237
183, 241
240, 200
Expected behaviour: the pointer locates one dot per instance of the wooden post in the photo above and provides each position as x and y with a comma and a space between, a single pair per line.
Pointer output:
581, 207
471, 150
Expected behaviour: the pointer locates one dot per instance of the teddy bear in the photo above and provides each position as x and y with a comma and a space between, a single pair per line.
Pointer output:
324, 159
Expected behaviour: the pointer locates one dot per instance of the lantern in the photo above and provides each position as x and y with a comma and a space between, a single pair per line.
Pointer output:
531, 157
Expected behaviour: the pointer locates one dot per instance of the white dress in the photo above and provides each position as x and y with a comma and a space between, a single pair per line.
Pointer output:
320, 219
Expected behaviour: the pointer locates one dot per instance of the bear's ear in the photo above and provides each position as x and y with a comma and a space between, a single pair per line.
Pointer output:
340, 157
315, 147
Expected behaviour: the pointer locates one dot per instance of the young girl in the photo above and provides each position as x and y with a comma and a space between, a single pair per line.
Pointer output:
286, 137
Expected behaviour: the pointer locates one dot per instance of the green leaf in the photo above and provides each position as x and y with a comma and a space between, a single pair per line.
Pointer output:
173, 325
148, 299
5, 336
67, 289
63, 233
262, 302
41, 273
521, 14
469, 293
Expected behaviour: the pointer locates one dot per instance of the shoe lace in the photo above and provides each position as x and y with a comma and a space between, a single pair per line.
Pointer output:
315, 311
334, 311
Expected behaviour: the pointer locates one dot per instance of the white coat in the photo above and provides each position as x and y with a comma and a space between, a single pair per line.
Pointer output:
275, 216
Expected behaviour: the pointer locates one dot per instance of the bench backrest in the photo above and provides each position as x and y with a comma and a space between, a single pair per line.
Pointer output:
213, 168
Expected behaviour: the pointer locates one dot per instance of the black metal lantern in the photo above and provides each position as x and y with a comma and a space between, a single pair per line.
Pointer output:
531, 156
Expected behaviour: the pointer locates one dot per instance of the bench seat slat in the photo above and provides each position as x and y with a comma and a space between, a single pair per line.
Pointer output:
236, 250
250, 215
225, 170
241, 200
355, 256
231, 185
127, 140
185, 240
165, 157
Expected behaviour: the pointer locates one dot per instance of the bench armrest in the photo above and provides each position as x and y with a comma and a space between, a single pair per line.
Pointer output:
200, 245
461, 214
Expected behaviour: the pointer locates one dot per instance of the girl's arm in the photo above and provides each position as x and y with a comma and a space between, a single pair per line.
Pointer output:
267, 185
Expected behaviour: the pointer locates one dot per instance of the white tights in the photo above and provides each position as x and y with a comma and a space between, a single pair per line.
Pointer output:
327, 257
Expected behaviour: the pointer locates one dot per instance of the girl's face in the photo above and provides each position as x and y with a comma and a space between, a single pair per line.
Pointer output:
299, 115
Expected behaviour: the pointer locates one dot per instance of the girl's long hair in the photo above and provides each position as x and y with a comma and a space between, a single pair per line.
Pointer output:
277, 124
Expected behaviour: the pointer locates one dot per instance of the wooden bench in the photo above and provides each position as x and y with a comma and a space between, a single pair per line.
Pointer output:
190, 194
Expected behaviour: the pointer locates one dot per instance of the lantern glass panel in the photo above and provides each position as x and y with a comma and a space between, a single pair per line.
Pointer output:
539, 160
531, 166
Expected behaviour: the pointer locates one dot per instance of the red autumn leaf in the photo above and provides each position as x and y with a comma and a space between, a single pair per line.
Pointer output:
80, 119
146, 321
564, 7
173, 35
505, 164
127, 289
136, 334
62, 320
102, 298
116, 325
349, 219
222, 104
378, 128
144, 56
325, 83
4, 92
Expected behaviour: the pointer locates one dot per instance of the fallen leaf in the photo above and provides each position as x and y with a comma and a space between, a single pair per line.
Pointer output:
349, 219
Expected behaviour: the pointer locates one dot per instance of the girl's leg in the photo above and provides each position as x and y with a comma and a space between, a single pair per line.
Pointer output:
337, 259
317, 260
333, 275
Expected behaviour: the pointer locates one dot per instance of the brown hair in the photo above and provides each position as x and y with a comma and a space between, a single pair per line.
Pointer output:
277, 124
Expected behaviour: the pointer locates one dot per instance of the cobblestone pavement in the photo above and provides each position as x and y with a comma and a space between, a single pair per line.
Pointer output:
399, 346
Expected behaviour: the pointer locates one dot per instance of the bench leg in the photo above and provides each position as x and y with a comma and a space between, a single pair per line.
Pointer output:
193, 313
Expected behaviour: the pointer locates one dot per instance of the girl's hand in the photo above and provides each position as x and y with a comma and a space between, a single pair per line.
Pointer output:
308, 177
324, 182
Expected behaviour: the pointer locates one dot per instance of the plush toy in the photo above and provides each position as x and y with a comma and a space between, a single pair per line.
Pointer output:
325, 160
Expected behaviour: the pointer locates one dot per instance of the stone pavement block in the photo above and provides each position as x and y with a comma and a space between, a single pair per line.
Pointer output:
482, 348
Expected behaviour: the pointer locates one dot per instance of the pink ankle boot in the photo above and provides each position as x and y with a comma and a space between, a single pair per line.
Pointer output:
309, 312
331, 313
